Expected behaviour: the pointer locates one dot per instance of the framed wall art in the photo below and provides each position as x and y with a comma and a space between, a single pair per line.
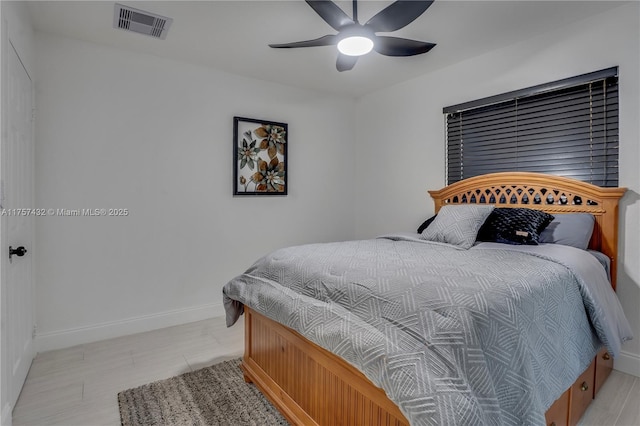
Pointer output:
259, 157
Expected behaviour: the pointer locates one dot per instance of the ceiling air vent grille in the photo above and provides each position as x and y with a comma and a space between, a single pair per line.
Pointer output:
139, 21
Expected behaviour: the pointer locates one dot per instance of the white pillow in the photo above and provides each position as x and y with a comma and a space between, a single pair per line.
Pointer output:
457, 224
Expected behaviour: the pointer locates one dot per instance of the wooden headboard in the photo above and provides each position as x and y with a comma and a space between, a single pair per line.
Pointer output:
553, 194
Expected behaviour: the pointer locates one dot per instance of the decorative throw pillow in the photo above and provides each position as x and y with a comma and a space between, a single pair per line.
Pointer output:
457, 224
426, 223
569, 229
514, 226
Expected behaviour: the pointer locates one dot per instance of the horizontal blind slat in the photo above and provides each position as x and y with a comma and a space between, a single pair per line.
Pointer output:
571, 131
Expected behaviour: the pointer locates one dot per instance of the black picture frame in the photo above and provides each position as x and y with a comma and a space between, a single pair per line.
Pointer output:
259, 157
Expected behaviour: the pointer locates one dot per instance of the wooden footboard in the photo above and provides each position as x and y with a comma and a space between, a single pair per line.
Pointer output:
311, 386
308, 384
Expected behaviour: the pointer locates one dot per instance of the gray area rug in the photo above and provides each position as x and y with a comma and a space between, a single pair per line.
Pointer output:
216, 395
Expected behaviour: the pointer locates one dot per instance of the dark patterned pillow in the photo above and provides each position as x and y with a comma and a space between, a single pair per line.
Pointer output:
426, 223
514, 226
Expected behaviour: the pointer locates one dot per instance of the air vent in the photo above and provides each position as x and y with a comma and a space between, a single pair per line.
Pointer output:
139, 21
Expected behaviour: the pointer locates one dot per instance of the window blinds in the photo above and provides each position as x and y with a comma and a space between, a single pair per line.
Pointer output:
567, 128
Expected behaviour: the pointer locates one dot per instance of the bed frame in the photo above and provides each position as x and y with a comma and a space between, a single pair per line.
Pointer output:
312, 386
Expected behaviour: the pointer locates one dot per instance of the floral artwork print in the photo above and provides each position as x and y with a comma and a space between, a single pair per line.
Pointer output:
248, 153
261, 149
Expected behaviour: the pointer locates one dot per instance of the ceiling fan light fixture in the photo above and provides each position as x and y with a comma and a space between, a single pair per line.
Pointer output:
355, 45
354, 39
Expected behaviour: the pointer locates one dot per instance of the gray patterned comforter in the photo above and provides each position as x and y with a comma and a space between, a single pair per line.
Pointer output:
491, 335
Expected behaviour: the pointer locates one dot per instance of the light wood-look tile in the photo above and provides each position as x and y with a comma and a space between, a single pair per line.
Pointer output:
630, 413
78, 386
611, 400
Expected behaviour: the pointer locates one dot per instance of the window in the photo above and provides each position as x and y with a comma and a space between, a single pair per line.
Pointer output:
566, 128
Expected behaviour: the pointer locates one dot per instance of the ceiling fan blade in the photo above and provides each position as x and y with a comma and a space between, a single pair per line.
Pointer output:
345, 62
322, 41
331, 13
394, 46
397, 15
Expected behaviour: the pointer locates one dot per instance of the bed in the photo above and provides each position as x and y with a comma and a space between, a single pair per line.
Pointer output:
313, 385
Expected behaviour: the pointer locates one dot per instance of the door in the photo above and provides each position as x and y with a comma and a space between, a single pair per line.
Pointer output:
17, 229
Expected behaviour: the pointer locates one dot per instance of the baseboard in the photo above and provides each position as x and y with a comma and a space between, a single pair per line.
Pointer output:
6, 419
628, 363
76, 336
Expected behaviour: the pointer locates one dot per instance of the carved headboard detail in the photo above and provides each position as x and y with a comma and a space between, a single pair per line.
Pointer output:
553, 194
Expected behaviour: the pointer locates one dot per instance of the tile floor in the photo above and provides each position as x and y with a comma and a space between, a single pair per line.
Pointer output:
78, 386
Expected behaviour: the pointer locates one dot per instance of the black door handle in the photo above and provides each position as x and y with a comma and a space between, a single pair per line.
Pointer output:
20, 251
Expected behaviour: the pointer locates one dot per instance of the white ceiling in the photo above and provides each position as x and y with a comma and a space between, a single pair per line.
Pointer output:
233, 35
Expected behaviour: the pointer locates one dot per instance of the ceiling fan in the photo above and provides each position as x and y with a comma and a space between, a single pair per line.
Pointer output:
354, 39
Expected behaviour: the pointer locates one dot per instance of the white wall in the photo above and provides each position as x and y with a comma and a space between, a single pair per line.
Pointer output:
400, 132
117, 129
